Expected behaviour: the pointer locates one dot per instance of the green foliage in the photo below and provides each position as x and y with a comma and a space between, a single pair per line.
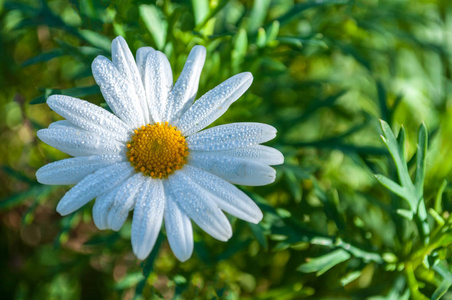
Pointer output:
348, 215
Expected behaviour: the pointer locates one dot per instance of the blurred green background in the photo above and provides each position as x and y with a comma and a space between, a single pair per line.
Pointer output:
325, 72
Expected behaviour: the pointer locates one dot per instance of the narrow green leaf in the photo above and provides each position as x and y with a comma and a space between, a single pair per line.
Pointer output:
259, 234
294, 184
439, 196
408, 214
87, 9
200, 10
96, 39
261, 38
43, 57
382, 100
437, 217
129, 280
240, 49
324, 263
73, 92
442, 289
401, 137
350, 277
155, 23
420, 160
297, 9
272, 32
402, 170
391, 185
445, 284
258, 14
19, 198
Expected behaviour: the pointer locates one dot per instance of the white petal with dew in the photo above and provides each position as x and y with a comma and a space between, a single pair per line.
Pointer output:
198, 206
74, 169
123, 59
147, 217
184, 91
125, 200
78, 142
102, 206
231, 136
63, 124
89, 117
258, 153
214, 103
235, 170
141, 59
94, 185
118, 92
158, 80
226, 196
178, 230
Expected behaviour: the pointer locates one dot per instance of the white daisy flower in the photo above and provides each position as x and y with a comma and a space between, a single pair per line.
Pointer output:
151, 156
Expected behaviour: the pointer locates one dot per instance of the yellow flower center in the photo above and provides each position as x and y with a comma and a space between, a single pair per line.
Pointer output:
157, 150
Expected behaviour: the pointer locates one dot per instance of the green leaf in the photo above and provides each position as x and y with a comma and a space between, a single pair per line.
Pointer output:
155, 23
401, 137
19, 198
442, 289
73, 92
350, 277
258, 232
200, 10
96, 39
240, 49
258, 14
439, 196
129, 280
297, 9
261, 38
272, 32
324, 263
293, 183
393, 147
420, 160
437, 217
390, 185
408, 214
43, 57
411, 193
381, 91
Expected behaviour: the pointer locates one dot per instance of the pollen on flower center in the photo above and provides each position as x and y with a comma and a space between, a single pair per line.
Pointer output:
157, 150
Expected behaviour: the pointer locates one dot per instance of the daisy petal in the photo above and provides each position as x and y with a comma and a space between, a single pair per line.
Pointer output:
78, 142
147, 218
198, 207
72, 170
214, 103
226, 196
235, 170
102, 206
94, 185
63, 124
184, 91
123, 59
231, 136
118, 92
258, 153
141, 56
89, 117
158, 80
125, 201
178, 230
